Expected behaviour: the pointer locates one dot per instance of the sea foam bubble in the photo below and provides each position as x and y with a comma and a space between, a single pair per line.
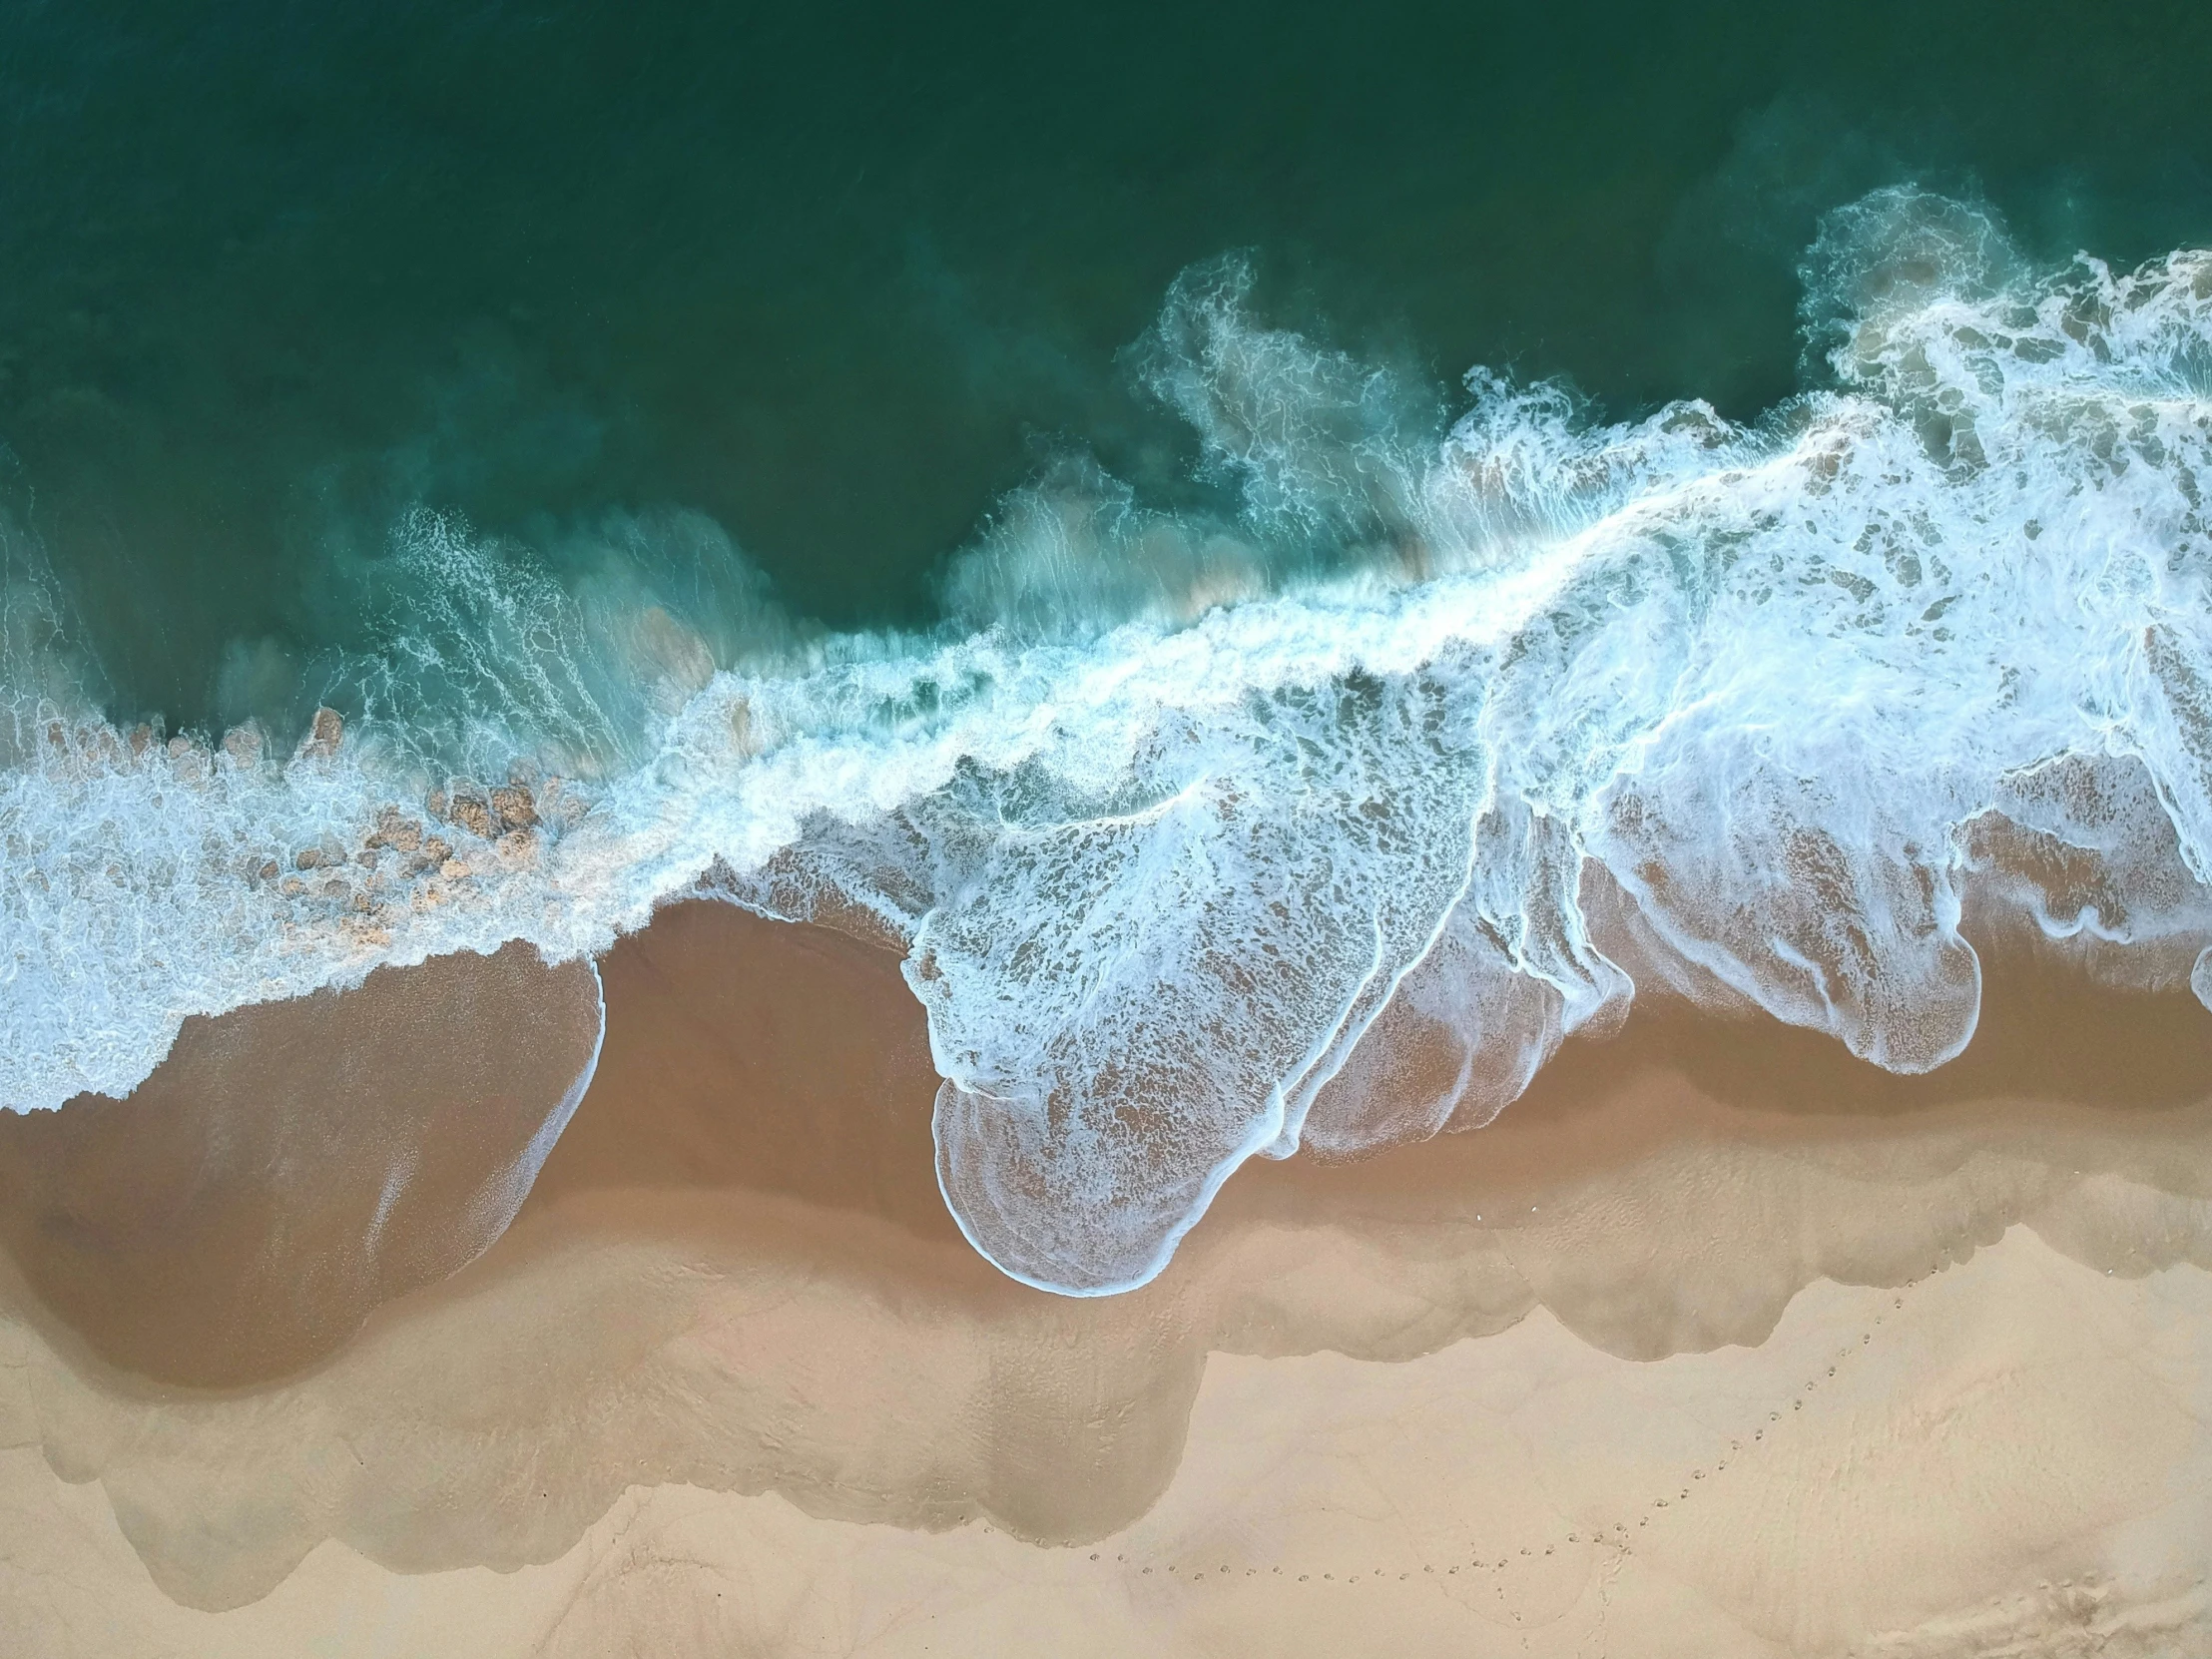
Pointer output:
1472, 736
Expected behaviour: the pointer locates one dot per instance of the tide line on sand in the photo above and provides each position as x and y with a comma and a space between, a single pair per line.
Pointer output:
1753, 1349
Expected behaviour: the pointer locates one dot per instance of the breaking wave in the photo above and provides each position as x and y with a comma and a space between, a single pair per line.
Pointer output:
1451, 739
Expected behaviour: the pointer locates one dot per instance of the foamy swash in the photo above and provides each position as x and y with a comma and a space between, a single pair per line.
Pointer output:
1470, 738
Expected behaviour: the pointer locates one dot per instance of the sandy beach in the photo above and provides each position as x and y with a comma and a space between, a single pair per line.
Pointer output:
1717, 1343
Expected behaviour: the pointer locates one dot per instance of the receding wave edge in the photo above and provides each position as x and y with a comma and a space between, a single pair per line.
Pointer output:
1188, 829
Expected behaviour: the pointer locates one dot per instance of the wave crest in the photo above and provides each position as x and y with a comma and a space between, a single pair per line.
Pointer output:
1193, 830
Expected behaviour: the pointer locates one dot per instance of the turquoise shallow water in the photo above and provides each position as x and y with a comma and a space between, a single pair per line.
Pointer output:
839, 276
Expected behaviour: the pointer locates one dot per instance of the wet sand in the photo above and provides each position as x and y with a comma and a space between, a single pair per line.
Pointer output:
1717, 1343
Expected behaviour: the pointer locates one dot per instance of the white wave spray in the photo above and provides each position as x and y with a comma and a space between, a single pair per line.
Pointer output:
1471, 736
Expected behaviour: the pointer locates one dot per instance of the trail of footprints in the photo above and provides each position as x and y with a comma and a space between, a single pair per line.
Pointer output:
1617, 1538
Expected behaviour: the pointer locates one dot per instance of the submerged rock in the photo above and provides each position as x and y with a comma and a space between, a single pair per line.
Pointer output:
473, 814
244, 744
514, 808
325, 735
397, 831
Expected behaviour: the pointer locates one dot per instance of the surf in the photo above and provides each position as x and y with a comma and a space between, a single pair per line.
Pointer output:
1464, 735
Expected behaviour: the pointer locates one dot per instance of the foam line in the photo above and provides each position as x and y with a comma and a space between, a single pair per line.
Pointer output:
1179, 819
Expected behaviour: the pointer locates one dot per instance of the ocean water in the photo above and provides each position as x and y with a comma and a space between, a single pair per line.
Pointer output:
1016, 486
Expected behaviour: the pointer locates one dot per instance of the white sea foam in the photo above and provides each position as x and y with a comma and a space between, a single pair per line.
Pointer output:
1184, 808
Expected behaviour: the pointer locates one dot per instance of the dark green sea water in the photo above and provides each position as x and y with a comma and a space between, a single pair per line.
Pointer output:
838, 277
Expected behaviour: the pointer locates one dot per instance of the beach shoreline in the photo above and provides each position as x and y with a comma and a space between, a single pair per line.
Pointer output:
733, 1300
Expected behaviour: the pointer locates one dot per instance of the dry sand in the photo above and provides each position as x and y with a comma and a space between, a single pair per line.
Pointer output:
1718, 1343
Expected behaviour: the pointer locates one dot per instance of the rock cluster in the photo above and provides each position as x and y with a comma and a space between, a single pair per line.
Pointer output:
411, 859
419, 860
488, 815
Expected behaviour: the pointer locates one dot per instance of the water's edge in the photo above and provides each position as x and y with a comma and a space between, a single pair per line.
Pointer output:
1471, 736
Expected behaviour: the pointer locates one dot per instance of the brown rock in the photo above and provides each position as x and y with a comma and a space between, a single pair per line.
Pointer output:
396, 830
244, 744
473, 814
514, 807
325, 736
